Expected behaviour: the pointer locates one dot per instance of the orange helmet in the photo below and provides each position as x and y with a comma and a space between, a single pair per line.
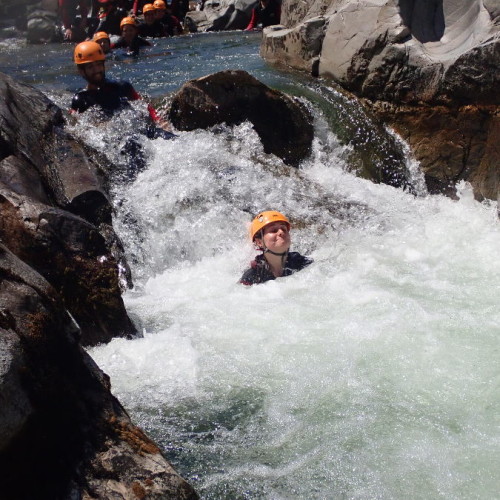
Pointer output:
265, 218
100, 35
149, 7
87, 52
127, 21
160, 5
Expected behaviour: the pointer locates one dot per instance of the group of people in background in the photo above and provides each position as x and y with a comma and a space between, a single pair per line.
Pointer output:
79, 20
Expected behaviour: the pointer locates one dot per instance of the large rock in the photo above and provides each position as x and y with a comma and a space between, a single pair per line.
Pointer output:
283, 124
56, 213
221, 15
403, 51
62, 433
413, 61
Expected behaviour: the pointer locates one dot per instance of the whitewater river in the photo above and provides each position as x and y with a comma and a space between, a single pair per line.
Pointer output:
372, 374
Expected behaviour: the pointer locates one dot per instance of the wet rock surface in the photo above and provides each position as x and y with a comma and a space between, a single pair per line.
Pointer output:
62, 433
55, 211
231, 97
409, 57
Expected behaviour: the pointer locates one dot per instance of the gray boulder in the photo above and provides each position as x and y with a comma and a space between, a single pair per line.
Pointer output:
430, 70
221, 15
401, 51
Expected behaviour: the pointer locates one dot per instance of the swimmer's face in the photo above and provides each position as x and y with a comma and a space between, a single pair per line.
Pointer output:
276, 237
93, 72
104, 43
129, 32
150, 17
159, 13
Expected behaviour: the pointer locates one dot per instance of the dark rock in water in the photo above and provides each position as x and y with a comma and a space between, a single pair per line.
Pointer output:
73, 256
283, 124
62, 433
54, 203
452, 145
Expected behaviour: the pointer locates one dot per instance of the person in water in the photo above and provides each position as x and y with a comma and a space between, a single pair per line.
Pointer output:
270, 233
151, 27
102, 38
111, 96
172, 25
130, 38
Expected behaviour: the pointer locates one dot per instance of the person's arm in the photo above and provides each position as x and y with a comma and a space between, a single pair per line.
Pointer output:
253, 21
133, 95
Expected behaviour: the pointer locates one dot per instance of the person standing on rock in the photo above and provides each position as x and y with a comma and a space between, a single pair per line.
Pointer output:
266, 13
270, 233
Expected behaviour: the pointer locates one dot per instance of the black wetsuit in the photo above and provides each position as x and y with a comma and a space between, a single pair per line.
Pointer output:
259, 271
134, 46
110, 96
154, 30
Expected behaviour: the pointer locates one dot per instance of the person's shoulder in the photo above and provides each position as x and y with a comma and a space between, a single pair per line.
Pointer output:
253, 274
297, 261
119, 85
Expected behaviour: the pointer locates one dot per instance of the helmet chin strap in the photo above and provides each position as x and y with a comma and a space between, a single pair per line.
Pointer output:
279, 254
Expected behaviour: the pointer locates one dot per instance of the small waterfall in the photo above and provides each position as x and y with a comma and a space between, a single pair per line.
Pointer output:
373, 373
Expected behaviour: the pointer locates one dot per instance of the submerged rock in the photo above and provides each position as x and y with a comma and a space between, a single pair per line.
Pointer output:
414, 56
283, 123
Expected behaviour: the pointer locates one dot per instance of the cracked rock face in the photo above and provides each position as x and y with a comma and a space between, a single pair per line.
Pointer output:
429, 69
404, 51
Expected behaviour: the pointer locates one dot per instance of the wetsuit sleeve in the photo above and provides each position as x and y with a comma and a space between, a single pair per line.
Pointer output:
253, 21
133, 95
249, 277
79, 103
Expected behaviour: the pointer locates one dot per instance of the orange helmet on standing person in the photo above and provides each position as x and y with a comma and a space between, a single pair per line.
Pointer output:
265, 218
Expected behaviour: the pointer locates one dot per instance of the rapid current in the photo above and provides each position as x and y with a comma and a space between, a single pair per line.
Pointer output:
372, 374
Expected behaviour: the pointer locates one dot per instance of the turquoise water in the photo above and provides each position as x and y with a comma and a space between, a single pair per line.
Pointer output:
373, 373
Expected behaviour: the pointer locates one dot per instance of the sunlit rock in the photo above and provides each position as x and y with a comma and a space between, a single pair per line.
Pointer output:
219, 15
407, 55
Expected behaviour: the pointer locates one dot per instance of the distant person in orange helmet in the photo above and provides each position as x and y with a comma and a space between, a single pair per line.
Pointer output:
151, 26
102, 38
173, 26
130, 38
270, 233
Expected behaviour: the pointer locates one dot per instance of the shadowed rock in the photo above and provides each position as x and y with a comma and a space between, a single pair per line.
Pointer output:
62, 433
56, 213
283, 124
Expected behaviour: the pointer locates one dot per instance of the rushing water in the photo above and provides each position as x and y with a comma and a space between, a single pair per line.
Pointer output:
372, 374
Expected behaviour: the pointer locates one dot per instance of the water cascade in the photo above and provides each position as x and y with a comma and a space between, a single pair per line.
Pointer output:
373, 373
